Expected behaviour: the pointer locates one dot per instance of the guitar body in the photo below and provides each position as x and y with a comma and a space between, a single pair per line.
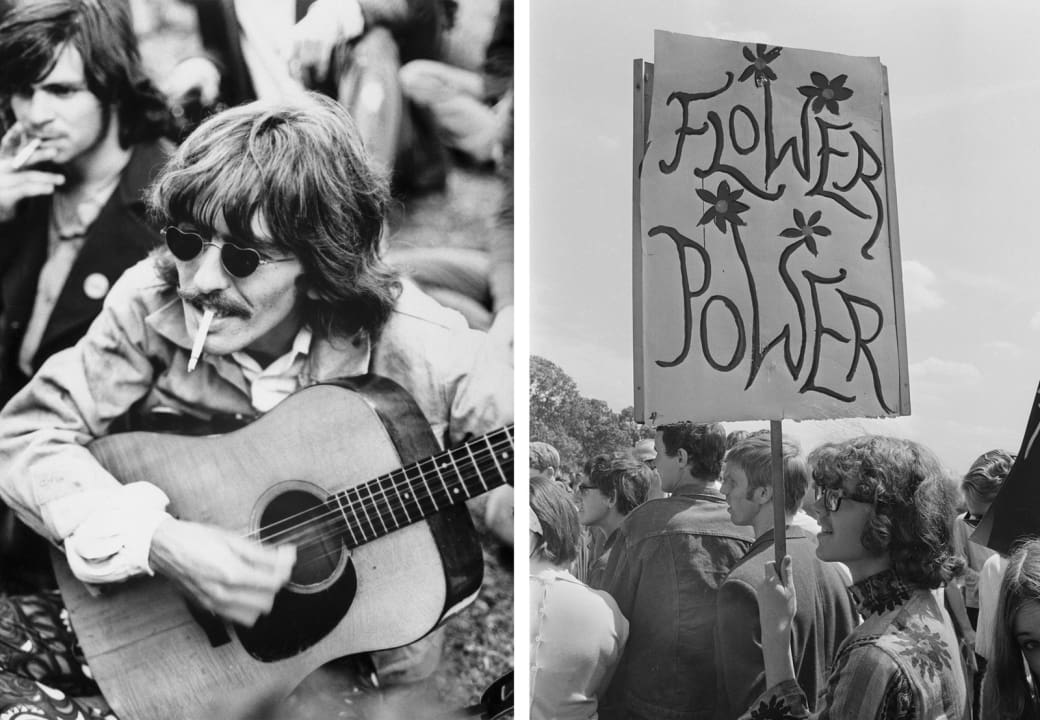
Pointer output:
156, 656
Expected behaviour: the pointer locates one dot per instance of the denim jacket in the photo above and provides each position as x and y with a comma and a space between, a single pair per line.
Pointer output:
666, 566
136, 353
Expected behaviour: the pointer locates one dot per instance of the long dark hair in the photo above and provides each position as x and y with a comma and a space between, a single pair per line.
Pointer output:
32, 34
299, 167
1007, 689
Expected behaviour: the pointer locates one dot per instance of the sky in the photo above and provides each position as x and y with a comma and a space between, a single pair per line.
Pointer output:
965, 105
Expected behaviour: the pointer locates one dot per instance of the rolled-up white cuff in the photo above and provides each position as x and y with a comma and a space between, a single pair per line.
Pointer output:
114, 541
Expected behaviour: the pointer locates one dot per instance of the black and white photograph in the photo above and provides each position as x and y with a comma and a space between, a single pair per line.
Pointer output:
256, 359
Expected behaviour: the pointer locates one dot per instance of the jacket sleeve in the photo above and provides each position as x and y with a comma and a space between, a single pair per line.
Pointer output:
47, 475
738, 648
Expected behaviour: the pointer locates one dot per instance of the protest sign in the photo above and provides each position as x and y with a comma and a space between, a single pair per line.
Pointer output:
767, 266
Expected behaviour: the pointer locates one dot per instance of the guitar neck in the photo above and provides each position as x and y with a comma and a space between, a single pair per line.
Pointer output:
409, 494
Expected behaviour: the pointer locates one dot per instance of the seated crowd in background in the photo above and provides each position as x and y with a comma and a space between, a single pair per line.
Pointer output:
887, 609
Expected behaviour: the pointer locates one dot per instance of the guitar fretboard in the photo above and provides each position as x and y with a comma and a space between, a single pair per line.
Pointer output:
412, 493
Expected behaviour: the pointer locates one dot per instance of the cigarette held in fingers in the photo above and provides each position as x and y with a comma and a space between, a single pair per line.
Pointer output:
26, 152
200, 338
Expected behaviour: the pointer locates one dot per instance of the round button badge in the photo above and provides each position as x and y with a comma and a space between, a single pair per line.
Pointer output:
96, 286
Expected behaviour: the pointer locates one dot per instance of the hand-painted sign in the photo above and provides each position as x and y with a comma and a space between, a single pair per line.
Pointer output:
768, 278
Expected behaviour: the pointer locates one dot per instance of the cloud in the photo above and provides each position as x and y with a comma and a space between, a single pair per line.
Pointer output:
948, 373
919, 291
1003, 348
1034, 322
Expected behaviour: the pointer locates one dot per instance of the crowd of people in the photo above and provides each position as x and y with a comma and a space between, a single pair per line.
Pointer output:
671, 606
155, 265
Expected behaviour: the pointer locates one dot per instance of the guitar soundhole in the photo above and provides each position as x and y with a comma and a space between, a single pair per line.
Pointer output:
299, 517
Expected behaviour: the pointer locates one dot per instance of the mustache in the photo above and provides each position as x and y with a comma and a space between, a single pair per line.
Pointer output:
216, 301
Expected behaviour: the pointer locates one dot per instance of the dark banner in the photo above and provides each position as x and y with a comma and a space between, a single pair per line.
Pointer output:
1015, 514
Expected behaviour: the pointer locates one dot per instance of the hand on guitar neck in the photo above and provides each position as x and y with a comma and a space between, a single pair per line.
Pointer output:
232, 576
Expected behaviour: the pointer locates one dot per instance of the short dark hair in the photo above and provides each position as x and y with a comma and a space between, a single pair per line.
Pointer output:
599, 461
559, 520
754, 455
32, 34
914, 504
987, 474
623, 478
301, 166
705, 443
542, 456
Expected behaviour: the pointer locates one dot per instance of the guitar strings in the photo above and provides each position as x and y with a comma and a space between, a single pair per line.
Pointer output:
484, 463
380, 510
312, 539
370, 510
507, 444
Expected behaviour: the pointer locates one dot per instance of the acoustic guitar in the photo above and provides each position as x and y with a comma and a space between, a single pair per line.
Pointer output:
352, 475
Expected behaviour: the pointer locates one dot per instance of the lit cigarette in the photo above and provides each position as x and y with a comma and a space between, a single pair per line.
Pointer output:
200, 338
26, 152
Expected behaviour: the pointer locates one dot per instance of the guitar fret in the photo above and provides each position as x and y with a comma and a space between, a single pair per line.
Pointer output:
437, 466
401, 502
346, 521
364, 509
417, 492
374, 504
476, 467
458, 473
386, 482
491, 452
429, 492
359, 520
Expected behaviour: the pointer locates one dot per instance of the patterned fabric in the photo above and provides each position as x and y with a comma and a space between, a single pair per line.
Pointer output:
42, 672
879, 593
901, 663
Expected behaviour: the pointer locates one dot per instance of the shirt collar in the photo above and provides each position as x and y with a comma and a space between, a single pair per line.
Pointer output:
879, 593
301, 346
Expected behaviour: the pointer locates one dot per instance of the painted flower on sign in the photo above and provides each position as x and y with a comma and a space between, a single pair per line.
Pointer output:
724, 206
759, 66
826, 93
806, 230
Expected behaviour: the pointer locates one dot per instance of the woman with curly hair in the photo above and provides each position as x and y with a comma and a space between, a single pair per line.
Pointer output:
1009, 692
577, 634
886, 512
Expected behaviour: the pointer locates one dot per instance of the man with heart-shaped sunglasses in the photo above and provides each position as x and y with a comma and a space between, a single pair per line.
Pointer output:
270, 280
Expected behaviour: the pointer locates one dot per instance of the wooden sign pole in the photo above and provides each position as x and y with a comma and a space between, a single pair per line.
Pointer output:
779, 515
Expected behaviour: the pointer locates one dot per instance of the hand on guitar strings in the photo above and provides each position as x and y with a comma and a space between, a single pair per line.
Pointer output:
229, 575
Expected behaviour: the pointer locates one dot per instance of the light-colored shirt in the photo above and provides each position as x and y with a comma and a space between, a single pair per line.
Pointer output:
577, 637
269, 385
990, 578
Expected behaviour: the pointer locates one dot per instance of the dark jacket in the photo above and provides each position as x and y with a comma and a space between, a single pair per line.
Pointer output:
118, 238
824, 618
666, 566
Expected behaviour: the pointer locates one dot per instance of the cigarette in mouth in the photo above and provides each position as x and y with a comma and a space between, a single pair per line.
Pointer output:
200, 338
26, 152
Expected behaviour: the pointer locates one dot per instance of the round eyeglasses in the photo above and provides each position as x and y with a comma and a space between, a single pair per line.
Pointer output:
238, 261
832, 498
